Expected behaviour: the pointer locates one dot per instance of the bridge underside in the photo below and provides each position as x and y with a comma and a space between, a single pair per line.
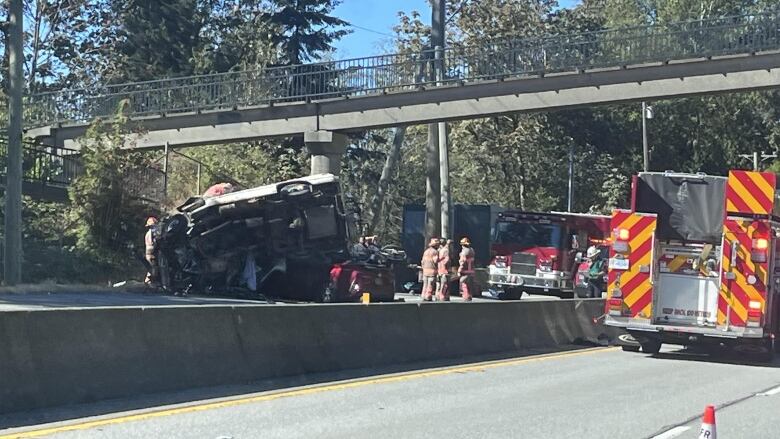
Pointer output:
455, 102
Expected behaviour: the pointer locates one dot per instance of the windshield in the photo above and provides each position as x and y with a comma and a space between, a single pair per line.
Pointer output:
528, 234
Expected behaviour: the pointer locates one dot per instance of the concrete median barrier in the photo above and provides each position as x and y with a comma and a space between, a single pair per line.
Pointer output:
69, 356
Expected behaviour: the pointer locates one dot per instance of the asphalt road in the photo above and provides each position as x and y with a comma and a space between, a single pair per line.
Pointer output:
592, 393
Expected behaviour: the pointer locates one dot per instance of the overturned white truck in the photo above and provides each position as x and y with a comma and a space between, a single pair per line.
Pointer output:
279, 240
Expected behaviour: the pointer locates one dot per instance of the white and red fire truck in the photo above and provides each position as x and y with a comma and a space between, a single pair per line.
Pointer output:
537, 252
696, 260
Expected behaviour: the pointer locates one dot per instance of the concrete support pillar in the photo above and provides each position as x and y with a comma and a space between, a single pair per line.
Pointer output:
326, 149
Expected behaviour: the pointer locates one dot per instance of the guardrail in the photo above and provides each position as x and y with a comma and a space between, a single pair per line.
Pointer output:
51, 166
401, 71
59, 167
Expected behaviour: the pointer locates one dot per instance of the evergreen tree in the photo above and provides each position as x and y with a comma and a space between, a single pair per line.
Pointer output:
158, 39
306, 28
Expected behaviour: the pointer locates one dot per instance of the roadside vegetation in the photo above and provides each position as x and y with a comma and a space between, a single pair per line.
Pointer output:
513, 160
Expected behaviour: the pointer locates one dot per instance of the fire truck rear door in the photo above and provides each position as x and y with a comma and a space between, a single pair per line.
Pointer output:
688, 284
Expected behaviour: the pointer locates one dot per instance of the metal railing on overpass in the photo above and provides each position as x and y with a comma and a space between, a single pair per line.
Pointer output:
58, 168
51, 166
499, 59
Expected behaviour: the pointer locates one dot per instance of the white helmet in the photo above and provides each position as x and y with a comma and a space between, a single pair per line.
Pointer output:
592, 252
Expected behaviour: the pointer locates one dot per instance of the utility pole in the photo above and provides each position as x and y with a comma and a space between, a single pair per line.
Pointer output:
433, 193
647, 113
444, 155
570, 205
12, 268
758, 157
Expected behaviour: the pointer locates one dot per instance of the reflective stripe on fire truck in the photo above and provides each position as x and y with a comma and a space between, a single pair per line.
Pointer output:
750, 192
634, 283
736, 289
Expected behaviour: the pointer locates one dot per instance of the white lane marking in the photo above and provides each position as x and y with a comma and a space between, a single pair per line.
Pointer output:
771, 392
669, 434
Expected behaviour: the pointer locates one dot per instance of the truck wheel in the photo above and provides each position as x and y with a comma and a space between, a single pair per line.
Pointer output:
650, 345
628, 343
769, 355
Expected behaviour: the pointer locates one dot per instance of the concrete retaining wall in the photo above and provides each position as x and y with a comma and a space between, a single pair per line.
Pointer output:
60, 357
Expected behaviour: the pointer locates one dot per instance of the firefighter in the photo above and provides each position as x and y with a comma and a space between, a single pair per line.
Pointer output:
443, 265
360, 250
430, 259
149, 251
466, 270
596, 271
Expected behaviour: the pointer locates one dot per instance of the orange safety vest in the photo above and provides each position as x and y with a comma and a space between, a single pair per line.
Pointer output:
429, 260
444, 260
467, 261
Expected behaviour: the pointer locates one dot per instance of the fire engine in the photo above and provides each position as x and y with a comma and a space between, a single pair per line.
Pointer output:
537, 252
696, 260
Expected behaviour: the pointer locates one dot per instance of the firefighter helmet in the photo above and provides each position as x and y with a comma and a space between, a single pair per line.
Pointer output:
433, 242
592, 252
465, 241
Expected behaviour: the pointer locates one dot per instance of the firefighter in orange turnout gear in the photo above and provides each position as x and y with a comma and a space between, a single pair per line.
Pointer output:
443, 273
466, 270
430, 260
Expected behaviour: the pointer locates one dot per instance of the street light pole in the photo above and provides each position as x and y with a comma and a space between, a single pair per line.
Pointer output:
645, 149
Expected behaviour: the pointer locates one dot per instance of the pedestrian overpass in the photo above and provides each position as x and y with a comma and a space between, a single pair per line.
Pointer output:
730, 54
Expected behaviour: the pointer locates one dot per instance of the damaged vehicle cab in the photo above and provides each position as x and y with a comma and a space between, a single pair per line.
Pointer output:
280, 239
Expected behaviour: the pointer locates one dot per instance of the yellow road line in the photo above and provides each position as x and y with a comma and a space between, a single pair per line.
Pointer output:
477, 367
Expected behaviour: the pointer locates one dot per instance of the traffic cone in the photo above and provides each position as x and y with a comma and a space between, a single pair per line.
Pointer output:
708, 424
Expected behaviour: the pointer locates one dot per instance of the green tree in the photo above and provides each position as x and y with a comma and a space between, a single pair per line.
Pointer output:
158, 39
306, 28
107, 214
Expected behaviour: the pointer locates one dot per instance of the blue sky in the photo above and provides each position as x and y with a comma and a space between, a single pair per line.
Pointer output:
380, 16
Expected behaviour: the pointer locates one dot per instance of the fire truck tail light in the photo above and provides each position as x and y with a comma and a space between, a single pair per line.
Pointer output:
758, 253
615, 305
754, 314
623, 234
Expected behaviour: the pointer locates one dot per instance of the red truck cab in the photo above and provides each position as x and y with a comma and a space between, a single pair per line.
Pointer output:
536, 252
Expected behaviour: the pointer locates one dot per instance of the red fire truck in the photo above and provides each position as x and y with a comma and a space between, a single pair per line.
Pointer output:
696, 260
537, 252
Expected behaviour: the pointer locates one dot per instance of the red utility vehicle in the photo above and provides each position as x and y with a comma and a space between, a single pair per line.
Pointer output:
537, 252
